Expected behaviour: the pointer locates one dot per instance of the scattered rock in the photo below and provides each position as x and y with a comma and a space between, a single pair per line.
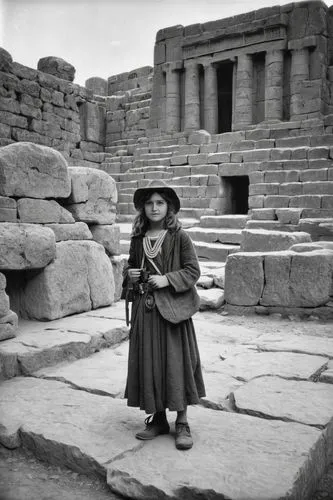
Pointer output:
211, 299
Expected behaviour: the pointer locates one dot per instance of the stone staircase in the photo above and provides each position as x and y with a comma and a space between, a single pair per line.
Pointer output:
290, 169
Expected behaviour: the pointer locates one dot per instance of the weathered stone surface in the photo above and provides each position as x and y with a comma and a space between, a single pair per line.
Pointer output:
4, 303
57, 67
76, 231
219, 277
118, 262
87, 442
205, 282
294, 400
283, 364
307, 344
34, 171
8, 326
92, 120
199, 137
42, 212
218, 389
25, 246
211, 299
39, 344
327, 375
8, 209
261, 240
79, 279
297, 279
102, 373
240, 452
108, 236
94, 196
244, 279
6, 60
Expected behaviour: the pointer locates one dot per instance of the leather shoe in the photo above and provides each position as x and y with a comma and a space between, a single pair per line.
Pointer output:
154, 427
184, 439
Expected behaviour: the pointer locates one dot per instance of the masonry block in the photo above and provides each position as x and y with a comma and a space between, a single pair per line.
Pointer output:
244, 279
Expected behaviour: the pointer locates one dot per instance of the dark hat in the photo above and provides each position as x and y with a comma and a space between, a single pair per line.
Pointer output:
156, 186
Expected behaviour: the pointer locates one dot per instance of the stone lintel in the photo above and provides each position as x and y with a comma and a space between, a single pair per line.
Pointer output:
232, 53
303, 43
173, 66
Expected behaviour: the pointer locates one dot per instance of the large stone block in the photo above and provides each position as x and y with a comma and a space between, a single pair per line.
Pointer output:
8, 325
33, 171
108, 236
298, 279
244, 279
262, 240
92, 118
57, 67
25, 246
78, 280
43, 212
94, 196
76, 231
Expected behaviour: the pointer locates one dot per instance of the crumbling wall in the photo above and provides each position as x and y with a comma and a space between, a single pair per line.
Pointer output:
42, 108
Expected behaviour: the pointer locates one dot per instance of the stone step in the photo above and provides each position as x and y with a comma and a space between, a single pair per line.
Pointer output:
153, 156
195, 213
39, 344
157, 162
139, 96
270, 225
124, 218
122, 158
164, 149
129, 175
215, 235
214, 251
232, 221
138, 104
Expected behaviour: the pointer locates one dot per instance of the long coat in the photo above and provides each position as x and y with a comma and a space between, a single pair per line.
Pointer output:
179, 264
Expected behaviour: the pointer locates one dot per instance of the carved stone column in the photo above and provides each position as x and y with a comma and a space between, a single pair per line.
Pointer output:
274, 85
172, 96
192, 97
210, 99
244, 92
299, 72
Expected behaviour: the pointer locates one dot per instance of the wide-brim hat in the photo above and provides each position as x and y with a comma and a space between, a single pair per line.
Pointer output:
156, 186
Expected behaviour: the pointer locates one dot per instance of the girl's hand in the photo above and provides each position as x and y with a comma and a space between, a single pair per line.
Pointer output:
133, 275
158, 281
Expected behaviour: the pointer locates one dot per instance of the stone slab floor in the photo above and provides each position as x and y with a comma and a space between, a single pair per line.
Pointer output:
264, 430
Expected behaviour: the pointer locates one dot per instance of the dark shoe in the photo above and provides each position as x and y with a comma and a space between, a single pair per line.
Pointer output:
154, 427
184, 439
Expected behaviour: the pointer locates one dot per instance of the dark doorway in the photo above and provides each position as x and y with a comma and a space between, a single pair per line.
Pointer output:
236, 194
224, 85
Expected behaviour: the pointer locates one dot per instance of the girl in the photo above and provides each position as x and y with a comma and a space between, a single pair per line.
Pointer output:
164, 370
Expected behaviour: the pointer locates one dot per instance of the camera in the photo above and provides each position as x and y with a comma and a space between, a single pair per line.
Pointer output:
144, 275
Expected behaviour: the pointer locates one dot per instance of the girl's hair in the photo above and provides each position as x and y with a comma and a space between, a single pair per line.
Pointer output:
141, 221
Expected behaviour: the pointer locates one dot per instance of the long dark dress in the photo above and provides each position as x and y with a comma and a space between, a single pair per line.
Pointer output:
164, 369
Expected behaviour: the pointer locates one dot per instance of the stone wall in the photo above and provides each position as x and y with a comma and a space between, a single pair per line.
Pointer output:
289, 46
59, 245
42, 108
295, 281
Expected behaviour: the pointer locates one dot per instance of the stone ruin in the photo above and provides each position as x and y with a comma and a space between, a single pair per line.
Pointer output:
236, 115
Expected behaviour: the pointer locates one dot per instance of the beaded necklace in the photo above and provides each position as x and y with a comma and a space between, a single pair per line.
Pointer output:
150, 251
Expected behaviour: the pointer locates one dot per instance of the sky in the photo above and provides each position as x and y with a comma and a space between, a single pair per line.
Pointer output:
103, 37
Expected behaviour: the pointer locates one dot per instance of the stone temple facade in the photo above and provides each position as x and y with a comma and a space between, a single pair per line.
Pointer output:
236, 115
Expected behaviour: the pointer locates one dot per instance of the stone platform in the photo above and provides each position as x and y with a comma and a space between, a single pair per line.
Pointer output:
264, 430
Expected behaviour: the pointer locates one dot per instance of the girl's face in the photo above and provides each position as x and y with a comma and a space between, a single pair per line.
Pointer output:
156, 208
